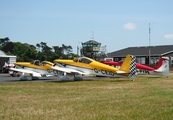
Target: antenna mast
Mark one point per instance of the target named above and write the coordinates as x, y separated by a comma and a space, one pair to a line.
92, 35
149, 45
149, 34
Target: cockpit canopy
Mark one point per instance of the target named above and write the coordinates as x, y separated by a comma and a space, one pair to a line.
35, 62
82, 60
38, 63
46, 62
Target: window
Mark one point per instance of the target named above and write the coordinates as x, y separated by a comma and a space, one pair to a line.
141, 60
75, 59
85, 60
154, 60
32, 62
37, 62
171, 60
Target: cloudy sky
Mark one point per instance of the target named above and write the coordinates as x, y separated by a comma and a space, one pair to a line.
115, 23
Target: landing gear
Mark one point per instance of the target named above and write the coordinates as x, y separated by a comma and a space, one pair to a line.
77, 77
23, 77
64, 76
34, 78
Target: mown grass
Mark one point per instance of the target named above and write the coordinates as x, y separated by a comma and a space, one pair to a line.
105, 99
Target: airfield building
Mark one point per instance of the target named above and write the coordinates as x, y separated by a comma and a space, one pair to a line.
6, 60
148, 55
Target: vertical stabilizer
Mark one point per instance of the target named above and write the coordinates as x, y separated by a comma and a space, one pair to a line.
129, 66
163, 66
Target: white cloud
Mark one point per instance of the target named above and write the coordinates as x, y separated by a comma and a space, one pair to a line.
168, 36
130, 26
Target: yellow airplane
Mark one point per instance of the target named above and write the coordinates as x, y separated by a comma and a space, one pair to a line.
34, 68
88, 66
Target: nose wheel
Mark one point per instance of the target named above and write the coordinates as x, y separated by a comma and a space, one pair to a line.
23, 77
77, 77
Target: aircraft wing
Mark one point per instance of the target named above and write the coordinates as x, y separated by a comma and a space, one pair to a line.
36, 74
67, 70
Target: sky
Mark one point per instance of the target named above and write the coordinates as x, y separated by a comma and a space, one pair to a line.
116, 24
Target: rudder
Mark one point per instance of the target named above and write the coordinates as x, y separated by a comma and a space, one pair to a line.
129, 66
163, 66
132, 71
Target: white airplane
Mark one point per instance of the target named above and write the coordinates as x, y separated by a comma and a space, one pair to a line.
88, 66
34, 68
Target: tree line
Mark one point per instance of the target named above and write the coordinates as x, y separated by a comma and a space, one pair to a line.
41, 51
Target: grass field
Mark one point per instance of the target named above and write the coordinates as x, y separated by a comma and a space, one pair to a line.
146, 98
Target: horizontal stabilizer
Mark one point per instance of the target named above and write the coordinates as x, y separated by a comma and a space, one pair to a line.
121, 72
158, 71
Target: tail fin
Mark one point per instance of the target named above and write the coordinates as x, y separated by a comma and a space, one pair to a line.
129, 66
159, 64
163, 66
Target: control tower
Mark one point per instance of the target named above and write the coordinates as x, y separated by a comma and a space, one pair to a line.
90, 48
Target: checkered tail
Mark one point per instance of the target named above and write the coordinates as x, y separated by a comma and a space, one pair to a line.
132, 73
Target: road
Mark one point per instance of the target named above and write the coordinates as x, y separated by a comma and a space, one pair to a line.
6, 78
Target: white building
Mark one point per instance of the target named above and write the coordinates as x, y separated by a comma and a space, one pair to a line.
9, 59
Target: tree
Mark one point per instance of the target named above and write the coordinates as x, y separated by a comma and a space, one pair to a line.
24, 52
27, 52
4, 40
8, 47
46, 49
38, 46
58, 51
67, 51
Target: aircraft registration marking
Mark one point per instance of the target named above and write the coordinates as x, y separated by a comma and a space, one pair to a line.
104, 72
142, 71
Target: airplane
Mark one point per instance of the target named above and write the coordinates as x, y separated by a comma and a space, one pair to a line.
162, 67
34, 68
88, 66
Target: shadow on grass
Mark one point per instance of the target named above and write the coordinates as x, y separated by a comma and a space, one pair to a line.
125, 80
39, 80
154, 77
10, 79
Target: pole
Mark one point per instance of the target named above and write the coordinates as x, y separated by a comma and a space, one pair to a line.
149, 46
92, 35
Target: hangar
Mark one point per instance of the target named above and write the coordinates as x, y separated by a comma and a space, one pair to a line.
9, 59
143, 54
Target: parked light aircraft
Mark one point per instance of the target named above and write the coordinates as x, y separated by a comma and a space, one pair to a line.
34, 68
162, 67
88, 66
